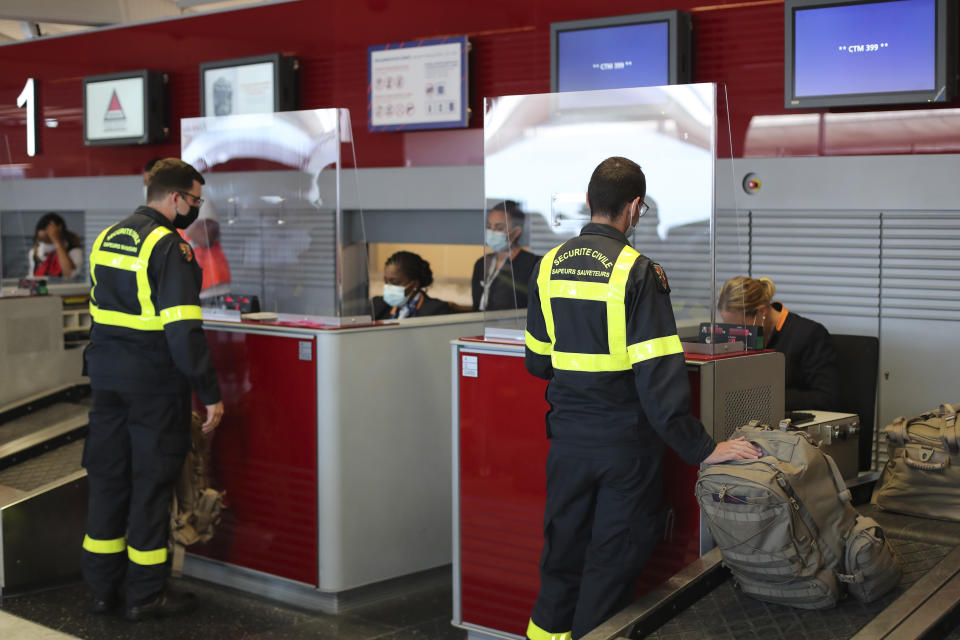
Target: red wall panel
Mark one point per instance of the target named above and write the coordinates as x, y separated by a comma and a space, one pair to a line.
739, 44
264, 455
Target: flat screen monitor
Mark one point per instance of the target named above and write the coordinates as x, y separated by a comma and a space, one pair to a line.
260, 84
125, 108
642, 50
851, 53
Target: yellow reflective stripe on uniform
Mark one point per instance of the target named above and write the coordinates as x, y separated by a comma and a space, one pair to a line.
143, 283
589, 361
117, 545
613, 293
598, 291
655, 348
93, 271
543, 285
536, 633
148, 320
155, 556
616, 311
182, 312
128, 320
538, 346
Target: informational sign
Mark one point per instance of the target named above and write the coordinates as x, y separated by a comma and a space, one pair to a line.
468, 367
237, 90
114, 109
420, 84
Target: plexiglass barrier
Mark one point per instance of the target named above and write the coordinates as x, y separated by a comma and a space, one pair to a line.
539, 153
273, 225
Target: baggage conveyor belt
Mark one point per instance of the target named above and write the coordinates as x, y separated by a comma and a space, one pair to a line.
702, 603
43, 490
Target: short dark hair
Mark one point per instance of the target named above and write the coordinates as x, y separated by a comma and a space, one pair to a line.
515, 216
412, 266
170, 174
150, 163
614, 184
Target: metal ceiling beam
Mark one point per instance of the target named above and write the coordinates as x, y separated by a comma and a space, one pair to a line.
89, 12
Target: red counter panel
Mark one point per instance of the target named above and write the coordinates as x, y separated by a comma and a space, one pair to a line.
264, 455
503, 452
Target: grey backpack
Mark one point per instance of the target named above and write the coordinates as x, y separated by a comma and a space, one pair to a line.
782, 523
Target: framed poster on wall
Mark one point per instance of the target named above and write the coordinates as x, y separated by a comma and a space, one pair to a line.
125, 108
421, 84
261, 84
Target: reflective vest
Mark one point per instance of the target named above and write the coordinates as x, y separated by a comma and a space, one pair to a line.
620, 356
136, 259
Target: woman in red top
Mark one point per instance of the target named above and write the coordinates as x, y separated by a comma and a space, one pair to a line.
56, 251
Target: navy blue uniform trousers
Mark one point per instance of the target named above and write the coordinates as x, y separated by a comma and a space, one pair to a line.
600, 525
134, 453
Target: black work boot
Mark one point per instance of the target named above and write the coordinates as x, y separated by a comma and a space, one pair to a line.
168, 603
100, 605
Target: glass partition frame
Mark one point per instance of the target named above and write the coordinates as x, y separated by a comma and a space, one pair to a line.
290, 176
540, 150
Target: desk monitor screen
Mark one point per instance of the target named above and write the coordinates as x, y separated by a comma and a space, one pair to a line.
855, 52
643, 50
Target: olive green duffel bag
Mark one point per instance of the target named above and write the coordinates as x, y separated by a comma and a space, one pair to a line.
922, 476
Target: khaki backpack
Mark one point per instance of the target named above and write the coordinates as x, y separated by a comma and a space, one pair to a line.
196, 506
922, 476
784, 524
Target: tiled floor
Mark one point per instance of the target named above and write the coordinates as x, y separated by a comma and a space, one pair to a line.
226, 614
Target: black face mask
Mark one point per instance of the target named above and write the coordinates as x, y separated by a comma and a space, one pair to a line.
184, 221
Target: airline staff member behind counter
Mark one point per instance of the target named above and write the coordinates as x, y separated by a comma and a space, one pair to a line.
812, 376
500, 278
147, 350
405, 276
600, 328
56, 250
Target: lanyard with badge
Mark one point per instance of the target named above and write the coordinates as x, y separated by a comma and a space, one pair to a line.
492, 274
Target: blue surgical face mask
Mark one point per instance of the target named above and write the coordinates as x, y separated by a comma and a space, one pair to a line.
496, 240
394, 295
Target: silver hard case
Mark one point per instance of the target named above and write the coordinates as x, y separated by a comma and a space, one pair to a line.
838, 435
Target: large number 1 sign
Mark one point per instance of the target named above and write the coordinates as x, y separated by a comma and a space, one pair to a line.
28, 99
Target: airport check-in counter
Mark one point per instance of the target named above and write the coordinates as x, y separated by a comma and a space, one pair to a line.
334, 453
500, 451
499, 434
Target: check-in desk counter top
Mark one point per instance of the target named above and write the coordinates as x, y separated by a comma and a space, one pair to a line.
500, 445
334, 453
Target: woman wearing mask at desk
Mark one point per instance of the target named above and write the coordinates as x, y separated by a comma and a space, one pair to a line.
405, 276
812, 377
56, 251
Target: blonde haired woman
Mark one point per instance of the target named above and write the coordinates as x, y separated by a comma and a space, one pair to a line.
812, 378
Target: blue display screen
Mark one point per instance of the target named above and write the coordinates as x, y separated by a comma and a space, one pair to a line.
634, 55
878, 47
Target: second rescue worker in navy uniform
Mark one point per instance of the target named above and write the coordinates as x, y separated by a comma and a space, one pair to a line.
600, 328
147, 350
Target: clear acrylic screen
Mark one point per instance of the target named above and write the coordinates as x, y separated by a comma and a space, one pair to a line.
540, 150
273, 224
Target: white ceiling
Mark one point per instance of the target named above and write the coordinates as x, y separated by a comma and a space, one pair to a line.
23, 19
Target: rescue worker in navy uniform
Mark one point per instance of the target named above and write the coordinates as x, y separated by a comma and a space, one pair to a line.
147, 350
601, 329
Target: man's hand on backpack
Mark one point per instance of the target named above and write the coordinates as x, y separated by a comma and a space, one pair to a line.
214, 414
728, 450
